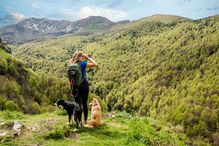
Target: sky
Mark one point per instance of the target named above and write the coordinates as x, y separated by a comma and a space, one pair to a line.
13, 11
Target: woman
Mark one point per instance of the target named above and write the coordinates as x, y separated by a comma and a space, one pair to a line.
83, 91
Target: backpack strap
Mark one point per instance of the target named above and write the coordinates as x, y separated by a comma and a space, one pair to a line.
81, 72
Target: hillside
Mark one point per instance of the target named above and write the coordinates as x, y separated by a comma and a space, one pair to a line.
165, 18
168, 71
23, 90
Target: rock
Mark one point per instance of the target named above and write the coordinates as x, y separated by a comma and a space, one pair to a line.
17, 128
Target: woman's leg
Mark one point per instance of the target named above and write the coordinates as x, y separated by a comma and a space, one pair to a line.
77, 95
84, 91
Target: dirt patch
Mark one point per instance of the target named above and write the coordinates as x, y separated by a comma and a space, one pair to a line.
72, 135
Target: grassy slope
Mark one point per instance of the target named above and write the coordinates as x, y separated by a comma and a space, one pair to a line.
122, 129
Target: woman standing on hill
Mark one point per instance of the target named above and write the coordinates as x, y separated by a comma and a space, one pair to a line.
81, 59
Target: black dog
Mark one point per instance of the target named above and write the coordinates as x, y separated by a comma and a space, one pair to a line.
71, 108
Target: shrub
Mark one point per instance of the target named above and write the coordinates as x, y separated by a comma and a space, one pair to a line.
140, 131
56, 133
21, 100
24, 108
50, 108
12, 70
35, 108
12, 115
3, 100
33, 82
200, 129
3, 66
12, 89
11, 106
215, 138
61, 112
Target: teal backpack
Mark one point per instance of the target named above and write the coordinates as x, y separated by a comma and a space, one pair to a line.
74, 74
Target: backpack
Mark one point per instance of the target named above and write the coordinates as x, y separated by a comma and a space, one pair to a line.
75, 74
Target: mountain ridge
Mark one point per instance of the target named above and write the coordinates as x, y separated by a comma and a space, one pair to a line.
43, 28
165, 18
37, 28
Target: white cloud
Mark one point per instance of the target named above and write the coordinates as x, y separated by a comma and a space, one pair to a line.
86, 11
13, 15
36, 6
16, 17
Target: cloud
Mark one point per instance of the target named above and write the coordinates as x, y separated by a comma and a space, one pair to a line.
12, 16
212, 8
86, 11
17, 16
114, 4
36, 6
182, 2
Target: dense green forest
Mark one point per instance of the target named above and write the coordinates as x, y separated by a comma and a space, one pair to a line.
23, 90
164, 68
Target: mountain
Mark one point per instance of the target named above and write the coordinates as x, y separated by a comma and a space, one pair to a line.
149, 21
40, 28
168, 71
43, 28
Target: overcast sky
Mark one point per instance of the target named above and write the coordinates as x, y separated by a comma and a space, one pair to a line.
13, 11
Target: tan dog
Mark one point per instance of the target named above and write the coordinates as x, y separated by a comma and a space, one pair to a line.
96, 115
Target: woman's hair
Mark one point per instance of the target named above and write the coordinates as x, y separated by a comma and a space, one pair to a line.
75, 57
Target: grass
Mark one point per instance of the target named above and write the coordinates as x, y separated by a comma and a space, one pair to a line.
51, 129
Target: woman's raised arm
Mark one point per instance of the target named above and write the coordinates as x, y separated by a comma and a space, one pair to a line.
91, 63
